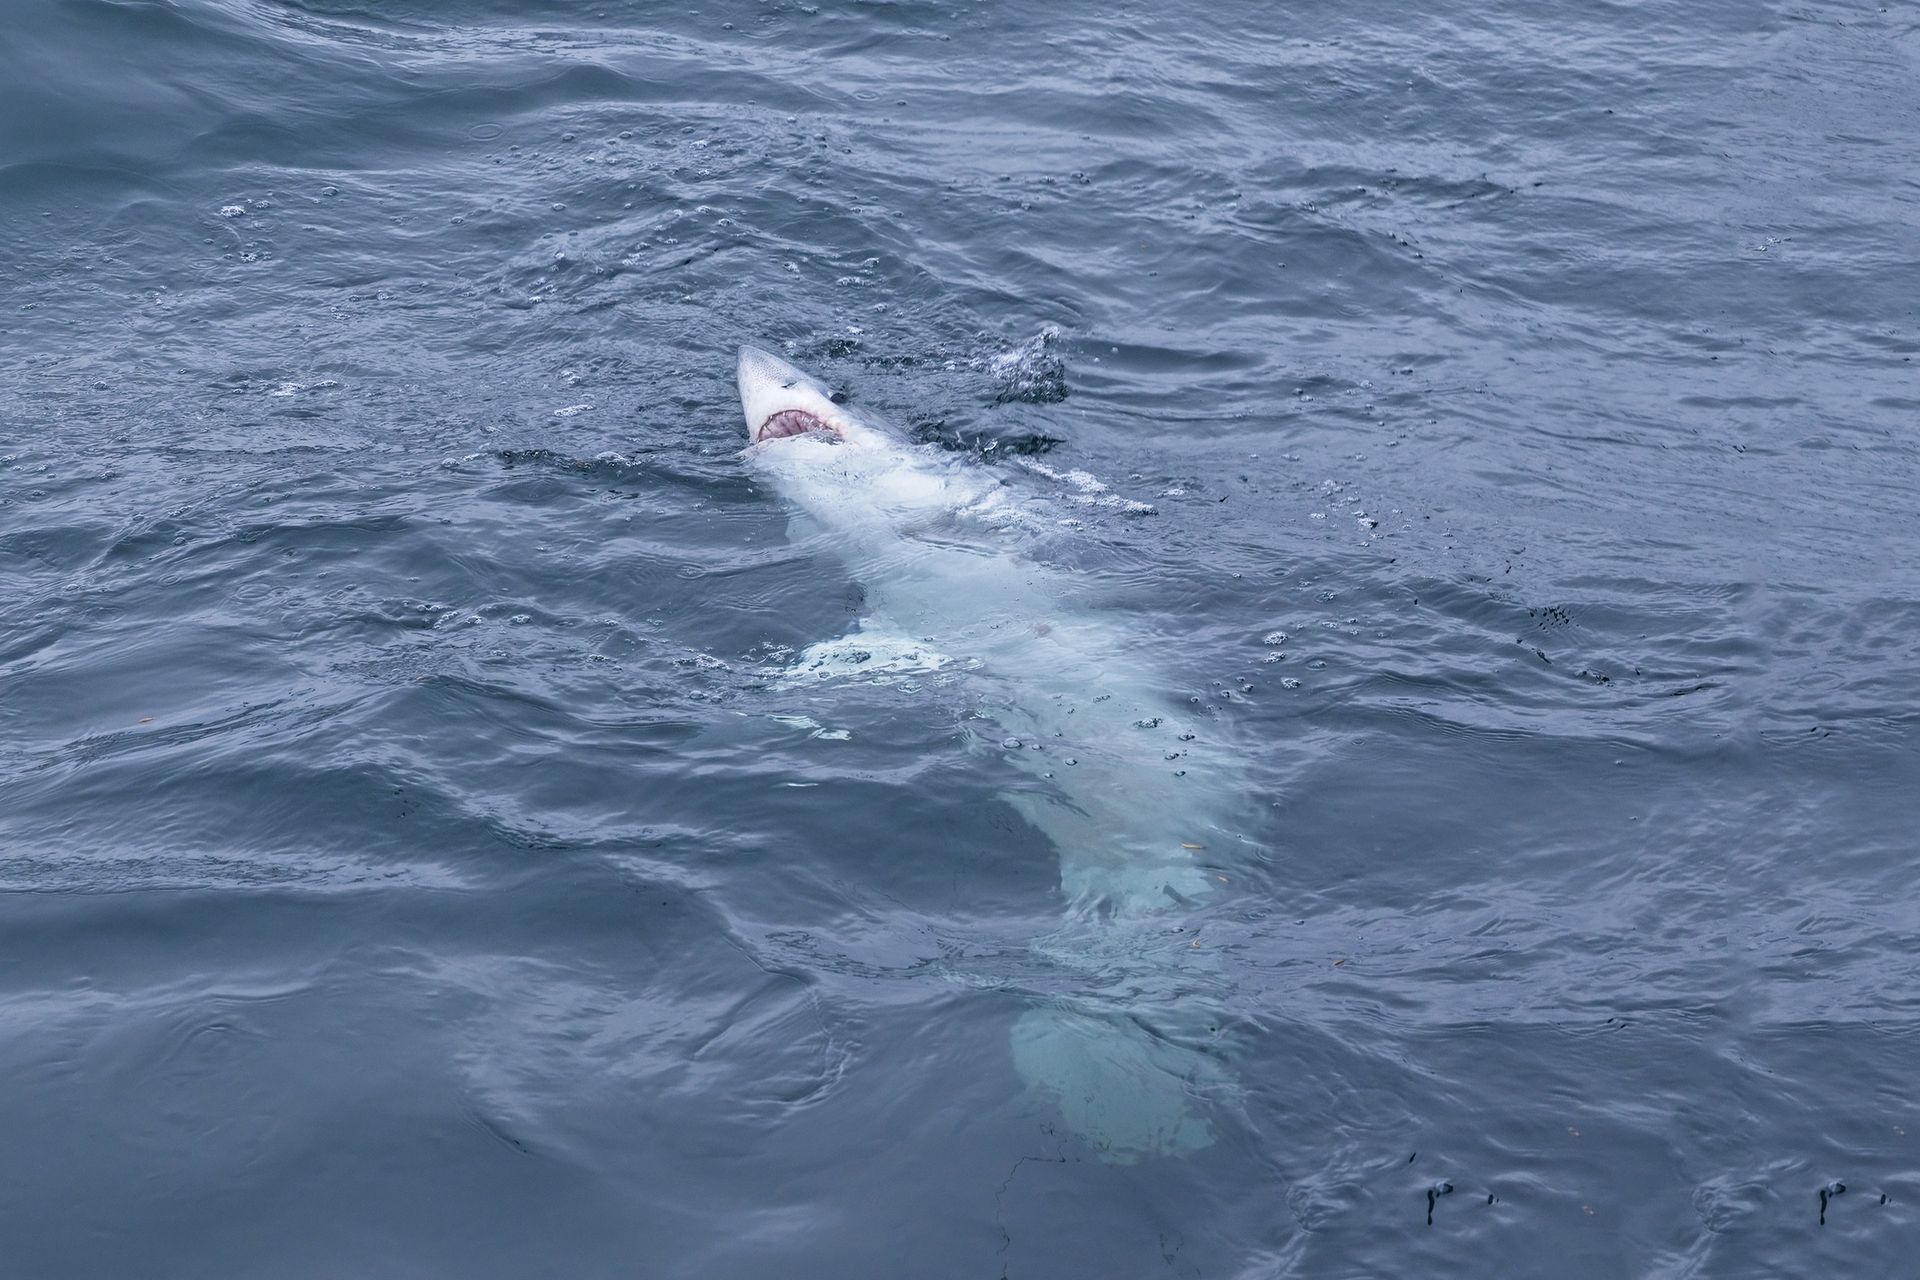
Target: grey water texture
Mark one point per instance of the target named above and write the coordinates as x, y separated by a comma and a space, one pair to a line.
1367, 728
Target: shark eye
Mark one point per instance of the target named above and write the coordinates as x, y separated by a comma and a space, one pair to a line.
789, 384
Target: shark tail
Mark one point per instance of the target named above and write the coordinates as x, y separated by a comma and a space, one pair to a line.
1123, 1088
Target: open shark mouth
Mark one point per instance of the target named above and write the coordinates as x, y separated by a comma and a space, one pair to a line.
793, 422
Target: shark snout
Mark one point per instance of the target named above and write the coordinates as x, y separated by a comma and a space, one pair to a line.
779, 400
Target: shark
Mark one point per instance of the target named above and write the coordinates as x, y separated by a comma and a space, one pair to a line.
1138, 794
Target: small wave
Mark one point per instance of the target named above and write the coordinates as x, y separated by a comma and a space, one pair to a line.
1089, 490
1031, 373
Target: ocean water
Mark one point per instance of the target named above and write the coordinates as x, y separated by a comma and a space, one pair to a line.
1501, 420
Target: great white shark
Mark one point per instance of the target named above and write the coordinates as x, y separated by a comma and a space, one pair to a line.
1139, 801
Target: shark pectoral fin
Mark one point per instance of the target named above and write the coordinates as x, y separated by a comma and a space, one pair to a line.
1120, 1088
867, 651
1103, 866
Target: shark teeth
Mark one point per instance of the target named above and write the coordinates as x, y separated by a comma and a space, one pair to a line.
792, 422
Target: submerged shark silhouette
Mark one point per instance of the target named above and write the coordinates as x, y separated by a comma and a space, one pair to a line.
1126, 791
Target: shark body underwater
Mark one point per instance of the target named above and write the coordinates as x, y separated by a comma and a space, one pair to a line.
1125, 787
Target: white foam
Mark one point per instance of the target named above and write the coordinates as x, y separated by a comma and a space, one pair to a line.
869, 655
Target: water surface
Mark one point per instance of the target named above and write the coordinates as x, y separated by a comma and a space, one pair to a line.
415, 864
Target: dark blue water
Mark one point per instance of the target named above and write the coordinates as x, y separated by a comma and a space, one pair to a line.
416, 865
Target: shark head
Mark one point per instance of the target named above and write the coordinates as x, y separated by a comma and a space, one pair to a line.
780, 401
846, 472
